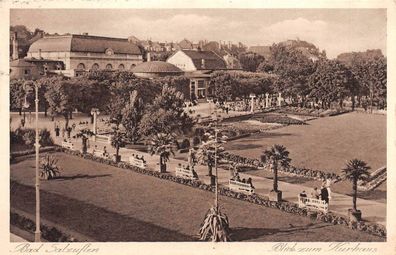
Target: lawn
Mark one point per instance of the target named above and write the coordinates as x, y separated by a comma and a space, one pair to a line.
325, 143
93, 198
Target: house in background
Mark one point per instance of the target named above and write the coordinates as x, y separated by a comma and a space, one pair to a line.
198, 65
21, 69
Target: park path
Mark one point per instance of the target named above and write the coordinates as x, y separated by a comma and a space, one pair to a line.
371, 210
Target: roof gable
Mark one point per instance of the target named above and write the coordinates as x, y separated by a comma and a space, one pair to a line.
204, 60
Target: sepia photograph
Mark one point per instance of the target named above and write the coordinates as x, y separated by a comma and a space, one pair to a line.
197, 125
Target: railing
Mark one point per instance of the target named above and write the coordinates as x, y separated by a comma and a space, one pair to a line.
313, 203
241, 187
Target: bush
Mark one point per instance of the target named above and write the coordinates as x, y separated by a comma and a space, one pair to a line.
45, 138
29, 136
196, 140
185, 144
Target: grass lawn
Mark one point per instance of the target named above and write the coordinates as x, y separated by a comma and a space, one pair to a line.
325, 143
111, 204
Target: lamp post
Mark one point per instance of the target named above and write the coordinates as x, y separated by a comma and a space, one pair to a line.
37, 233
28, 89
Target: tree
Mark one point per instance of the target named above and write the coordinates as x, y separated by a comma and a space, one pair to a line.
277, 156
354, 171
17, 95
371, 75
131, 116
205, 155
293, 69
117, 140
162, 144
84, 134
331, 82
44, 83
61, 97
166, 114
250, 61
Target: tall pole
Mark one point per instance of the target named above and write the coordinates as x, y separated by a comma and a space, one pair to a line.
216, 180
37, 233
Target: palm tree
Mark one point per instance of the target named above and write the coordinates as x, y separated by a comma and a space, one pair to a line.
205, 155
354, 171
117, 140
277, 156
84, 134
161, 144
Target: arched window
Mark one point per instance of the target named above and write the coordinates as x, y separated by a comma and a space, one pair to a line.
132, 66
109, 67
95, 66
81, 66
121, 67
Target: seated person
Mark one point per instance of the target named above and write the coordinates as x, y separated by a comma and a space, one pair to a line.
238, 178
142, 158
244, 180
303, 194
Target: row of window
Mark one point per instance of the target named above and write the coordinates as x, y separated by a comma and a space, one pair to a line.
96, 66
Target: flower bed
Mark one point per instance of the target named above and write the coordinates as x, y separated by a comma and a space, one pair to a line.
293, 171
371, 228
275, 118
311, 111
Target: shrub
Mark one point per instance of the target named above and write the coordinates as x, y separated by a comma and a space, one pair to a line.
29, 136
48, 166
196, 140
45, 138
185, 144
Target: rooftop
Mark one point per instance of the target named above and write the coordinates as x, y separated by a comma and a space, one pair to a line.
84, 43
156, 67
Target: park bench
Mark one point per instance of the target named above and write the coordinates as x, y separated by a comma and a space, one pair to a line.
313, 203
100, 154
182, 171
67, 145
137, 162
241, 187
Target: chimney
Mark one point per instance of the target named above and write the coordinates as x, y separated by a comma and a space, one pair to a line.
229, 45
203, 63
148, 57
39, 53
15, 47
220, 45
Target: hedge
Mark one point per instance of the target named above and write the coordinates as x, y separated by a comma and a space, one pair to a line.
49, 233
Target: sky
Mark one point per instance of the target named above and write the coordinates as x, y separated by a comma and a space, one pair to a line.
333, 30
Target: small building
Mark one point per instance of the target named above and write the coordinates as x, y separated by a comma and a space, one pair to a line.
21, 69
153, 69
197, 60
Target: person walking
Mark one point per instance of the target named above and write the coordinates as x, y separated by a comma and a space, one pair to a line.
324, 194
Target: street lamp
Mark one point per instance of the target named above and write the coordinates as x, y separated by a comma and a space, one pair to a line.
37, 233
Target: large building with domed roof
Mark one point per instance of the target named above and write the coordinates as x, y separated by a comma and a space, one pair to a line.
81, 53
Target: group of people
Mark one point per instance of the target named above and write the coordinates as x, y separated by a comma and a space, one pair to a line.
324, 193
237, 178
